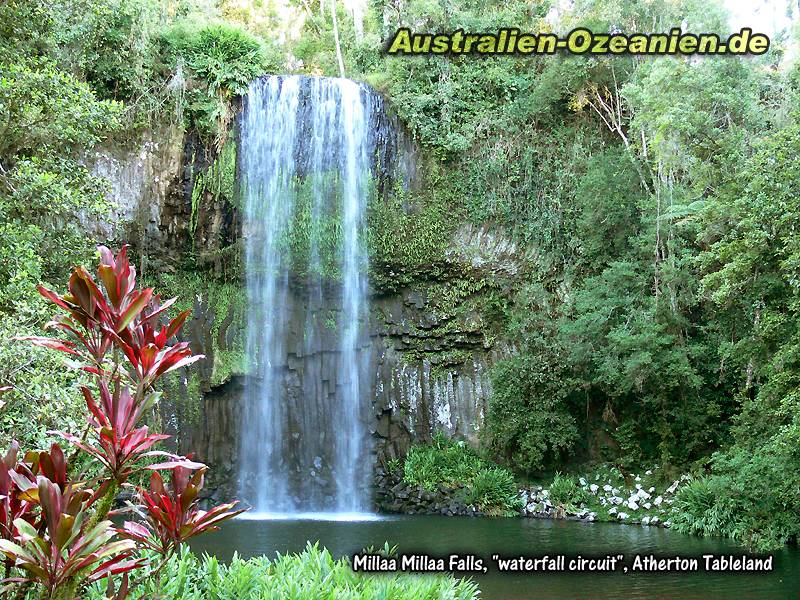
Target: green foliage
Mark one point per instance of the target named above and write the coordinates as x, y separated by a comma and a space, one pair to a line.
407, 238
312, 573
704, 507
566, 491
450, 463
46, 112
750, 279
120, 51
609, 216
220, 61
47, 118
45, 395
494, 487
316, 49
444, 461
529, 420
750, 496
25, 27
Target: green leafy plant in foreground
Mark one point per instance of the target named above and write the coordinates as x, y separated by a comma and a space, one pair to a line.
312, 573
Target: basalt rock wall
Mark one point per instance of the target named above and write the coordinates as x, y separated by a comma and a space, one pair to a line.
412, 397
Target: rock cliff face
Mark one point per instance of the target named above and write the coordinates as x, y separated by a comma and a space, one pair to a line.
142, 176
429, 366
156, 206
413, 396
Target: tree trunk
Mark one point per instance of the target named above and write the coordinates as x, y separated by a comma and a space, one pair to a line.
336, 39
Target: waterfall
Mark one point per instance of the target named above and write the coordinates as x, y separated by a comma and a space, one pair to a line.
307, 148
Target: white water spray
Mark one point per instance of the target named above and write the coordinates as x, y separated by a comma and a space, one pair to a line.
306, 451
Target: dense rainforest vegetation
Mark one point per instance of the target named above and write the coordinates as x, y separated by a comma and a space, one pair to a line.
654, 200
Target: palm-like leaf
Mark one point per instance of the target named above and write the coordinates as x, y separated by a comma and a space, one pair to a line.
15, 478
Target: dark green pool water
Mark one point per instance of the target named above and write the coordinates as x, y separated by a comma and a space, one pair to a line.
532, 537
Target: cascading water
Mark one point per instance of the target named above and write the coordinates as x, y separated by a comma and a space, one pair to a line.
306, 149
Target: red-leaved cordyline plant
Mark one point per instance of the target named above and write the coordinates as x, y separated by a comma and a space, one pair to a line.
47, 528
123, 317
125, 320
52, 527
19, 491
13, 506
68, 547
119, 442
52, 464
172, 513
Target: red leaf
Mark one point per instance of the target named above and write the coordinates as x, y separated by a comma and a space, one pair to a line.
186, 464
134, 308
51, 343
53, 297
175, 324
109, 279
159, 309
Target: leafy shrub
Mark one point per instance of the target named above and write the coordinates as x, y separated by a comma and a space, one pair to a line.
750, 495
313, 573
529, 421
566, 491
221, 60
49, 116
50, 111
493, 488
703, 508
453, 463
119, 54
443, 462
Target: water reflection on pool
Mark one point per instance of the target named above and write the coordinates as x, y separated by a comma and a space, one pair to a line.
484, 537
